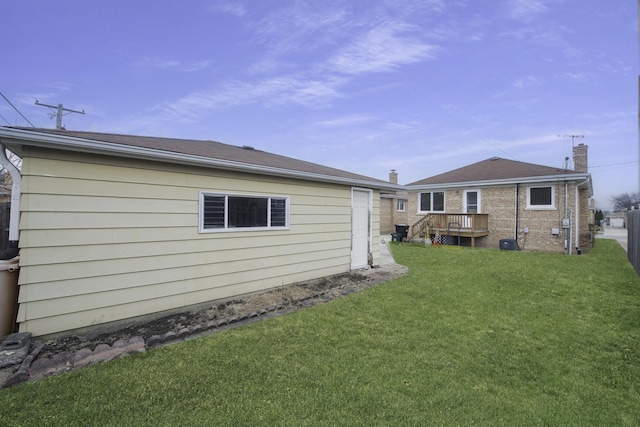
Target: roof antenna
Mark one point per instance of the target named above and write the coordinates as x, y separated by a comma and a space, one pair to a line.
573, 146
59, 112
573, 137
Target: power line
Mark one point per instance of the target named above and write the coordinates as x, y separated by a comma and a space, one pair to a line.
14, 107
8, 122
614, 164
488, 143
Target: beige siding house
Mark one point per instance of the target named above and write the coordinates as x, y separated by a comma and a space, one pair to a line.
113, 227
537, 207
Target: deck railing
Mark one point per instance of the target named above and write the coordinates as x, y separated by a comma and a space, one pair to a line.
449, 222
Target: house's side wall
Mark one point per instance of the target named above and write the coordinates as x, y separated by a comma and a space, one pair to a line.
587, 218
105, 239
375, 228
387, 215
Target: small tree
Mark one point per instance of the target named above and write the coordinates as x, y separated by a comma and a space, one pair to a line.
624, 201
599, 216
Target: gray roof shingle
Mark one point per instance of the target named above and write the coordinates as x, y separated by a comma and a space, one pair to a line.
492, 169
211, 150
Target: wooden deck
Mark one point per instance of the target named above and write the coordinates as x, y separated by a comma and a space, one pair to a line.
452, 224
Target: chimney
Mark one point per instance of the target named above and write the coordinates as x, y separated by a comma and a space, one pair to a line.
393, 176
580, 159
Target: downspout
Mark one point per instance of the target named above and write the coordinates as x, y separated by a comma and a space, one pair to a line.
567, 243
517, 211
577, 214
12, 250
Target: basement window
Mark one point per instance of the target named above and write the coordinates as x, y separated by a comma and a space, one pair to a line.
542, 197
239, 212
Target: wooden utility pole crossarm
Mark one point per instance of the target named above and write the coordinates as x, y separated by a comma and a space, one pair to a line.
59, 112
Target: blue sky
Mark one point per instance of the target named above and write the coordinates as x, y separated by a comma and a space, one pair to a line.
420, 86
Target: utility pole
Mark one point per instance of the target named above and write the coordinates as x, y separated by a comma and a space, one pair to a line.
59, 112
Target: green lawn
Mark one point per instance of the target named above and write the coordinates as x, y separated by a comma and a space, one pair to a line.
470, 336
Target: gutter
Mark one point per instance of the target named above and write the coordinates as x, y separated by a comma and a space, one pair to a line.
492, 182
14, 221
21, 137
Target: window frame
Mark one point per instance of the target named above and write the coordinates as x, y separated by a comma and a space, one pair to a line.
431, 194
551, 206
404, 205
465, 204
226, 228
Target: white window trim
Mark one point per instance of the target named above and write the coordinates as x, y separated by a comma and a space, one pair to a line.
201, 228
404, 204
464, 200
550, 207
444, 201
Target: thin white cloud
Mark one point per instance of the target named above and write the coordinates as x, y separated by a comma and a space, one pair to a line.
617, 66
381, 49
546, 35
526, 81
302, 27
233, 8
171, 64
354, 119
61, 86
526, 9
578, 77
269, 92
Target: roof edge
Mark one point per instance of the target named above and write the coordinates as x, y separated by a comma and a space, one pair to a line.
578, 176
19, 137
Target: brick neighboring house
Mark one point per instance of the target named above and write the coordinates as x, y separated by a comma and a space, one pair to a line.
542, 208
393, 207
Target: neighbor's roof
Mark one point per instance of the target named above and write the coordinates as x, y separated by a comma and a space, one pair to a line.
183, 151
498, 170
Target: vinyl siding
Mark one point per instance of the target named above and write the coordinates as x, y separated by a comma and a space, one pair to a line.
105, 239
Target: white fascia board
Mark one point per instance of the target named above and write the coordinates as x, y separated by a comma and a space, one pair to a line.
499, 182
18, 137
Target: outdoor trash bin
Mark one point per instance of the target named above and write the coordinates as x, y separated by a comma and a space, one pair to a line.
8, 295
403, 230
396, 237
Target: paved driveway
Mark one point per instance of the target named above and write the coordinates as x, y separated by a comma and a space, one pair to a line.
617, 233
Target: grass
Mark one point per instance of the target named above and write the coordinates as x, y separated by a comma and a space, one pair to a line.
480, 337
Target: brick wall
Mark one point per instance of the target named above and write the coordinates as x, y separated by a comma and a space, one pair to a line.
389, 215
500, 204
387, 209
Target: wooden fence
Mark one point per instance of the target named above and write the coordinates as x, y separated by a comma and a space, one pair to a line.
633, 240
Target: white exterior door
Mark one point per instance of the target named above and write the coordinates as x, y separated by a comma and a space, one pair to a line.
360, 227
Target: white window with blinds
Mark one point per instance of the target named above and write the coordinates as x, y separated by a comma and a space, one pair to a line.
541, 197
241, 212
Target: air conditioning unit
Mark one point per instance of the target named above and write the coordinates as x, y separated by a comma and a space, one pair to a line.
508, 244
